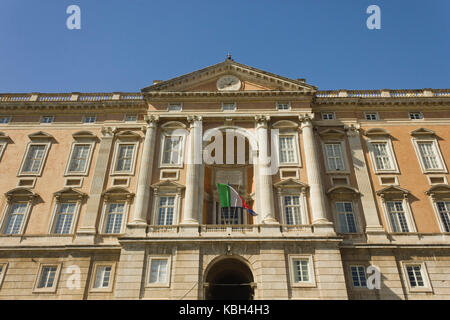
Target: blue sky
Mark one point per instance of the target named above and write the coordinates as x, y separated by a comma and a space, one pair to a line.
125, 45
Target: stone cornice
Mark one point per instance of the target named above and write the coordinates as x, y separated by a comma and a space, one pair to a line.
229, 94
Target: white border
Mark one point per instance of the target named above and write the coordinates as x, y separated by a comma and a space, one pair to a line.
443, 168
408, 215
343, 155
356, 216
423, 270
302, 201
312, 276
388, 184
75, 216
169, 272
111, 276
24, 220
163, 136
88, 159
41, 165
391, 154
105, 213
53, 288
113, 171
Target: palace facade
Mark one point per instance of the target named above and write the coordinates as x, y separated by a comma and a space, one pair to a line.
114, 195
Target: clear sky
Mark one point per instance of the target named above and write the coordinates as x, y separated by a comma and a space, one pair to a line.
125, 45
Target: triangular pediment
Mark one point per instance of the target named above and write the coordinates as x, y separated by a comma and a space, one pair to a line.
252, 79
291, 183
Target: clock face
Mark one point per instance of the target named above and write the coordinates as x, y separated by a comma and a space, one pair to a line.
228, 83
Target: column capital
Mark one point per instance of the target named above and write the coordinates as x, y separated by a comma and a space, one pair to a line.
192, 119
108, 132
352, 129
151, 119
306, 119
262, 120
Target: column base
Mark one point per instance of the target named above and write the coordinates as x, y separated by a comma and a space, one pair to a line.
376, 234
270, 221
190, 229
270, 229
136, 229
324, 227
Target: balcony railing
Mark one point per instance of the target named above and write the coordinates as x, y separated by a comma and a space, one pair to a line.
70, 97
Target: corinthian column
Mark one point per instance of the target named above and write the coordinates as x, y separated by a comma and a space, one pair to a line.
194, 166
139, 218
317, 196
263, 173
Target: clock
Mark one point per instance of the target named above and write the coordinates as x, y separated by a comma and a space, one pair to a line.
228, 83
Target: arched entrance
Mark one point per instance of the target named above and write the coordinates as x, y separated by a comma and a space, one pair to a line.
229, 279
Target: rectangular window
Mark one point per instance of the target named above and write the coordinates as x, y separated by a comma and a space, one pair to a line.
47, 119
64, 218
125, 158
102, 277
15, 218
172, 150
114, 217
444, 214
288, 151
166, 210
131, 117
429, 155
229, 106
283, 106
346, 217
89, 118
415, 115
334, 156
34, 159
47, 277
358, 276
301, 270
292, 210
5, 120
415, 276
381, 155
397, 216
372, 116
78, 162
159, 271
327, 115
175, 107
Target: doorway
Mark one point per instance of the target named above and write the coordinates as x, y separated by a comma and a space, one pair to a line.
229, 279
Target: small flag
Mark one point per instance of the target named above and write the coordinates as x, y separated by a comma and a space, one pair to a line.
229, 197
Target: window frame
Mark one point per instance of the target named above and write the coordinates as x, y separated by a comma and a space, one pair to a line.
435, 145
303, 203
55, 213
351, 276
177, 206
46, 145
229, 103
424, 273
312, 277
408, 215
117, 146
297, 160
125, 119
171, 104
323, 113
390, 151
377, 116
163, 137
41, 120
343, 155
95, 267
434, 203
278, 103
165, 284
5, 117
3, 145
105, 213
413, 112
54, 287
356, 216
6, 213
85, 116
88, 158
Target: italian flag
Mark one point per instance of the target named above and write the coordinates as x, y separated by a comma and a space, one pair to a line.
229, 197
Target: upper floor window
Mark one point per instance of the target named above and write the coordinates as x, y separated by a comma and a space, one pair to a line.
292, 210
34, 158
91, 118
47, 119
426, 145
5, 119
382, 156
229, 106
15, 217
288, 149
444, 214
131, 117
358, 274
172, 150
334, 158
346, 217
283, 106
397, 216
415, 115
429, 155
175, 107
166, 210
64, 217
125, 158
79, 158
114, 217
3, 267
371, 116
328, 116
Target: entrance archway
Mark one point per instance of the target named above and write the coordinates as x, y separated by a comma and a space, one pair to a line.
229, 279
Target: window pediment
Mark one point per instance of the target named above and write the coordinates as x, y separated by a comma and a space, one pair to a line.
69, 193
393, 192
332, 134
291, 184
422, 132
285, 124
21, 194
343, 192
40, 135
377, 132
118, 193
4, 136
173, 125
130, 135
84, 135
439, 191
168, 185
